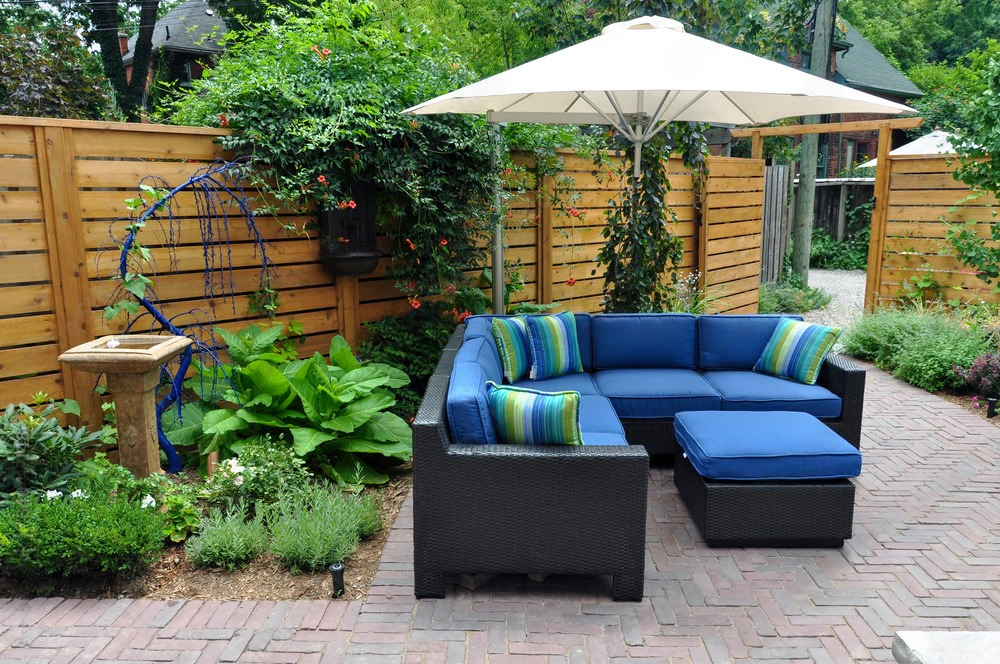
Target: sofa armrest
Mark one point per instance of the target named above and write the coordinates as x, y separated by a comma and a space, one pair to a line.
847, 380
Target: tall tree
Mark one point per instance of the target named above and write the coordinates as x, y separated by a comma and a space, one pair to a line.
108, 21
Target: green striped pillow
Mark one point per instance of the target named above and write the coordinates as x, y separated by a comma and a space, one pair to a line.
511, 336
554, 346
797, 350
530, 417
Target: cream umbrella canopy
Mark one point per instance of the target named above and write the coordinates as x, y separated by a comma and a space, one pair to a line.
640, 75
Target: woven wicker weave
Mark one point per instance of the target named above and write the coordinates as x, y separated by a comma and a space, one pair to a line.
551, 509
767, 513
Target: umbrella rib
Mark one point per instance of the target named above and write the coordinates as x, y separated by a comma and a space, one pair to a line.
663, 125
620, 124
513, 103
650, 130
738, 107
624, 126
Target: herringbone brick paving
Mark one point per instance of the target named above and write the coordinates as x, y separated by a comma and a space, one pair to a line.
925, 555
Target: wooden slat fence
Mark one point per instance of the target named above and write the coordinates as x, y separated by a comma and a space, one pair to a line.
63, 186
909, 245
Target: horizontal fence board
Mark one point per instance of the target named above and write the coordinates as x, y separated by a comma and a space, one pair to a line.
39, 359
722, 261
16, 140
916, 164
727, 244
27, 330
36, 299
727, 215
18, 172
101, 234
20, 205
903, 181
23, 268
717, 231
21, 390
23, 236
945, 214
940, 197
152, 144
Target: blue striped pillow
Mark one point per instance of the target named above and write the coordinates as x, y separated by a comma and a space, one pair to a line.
797, 350
511, 336
554, 346
530, 417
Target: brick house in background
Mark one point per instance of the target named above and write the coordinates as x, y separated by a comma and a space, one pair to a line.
859, 65
185, 41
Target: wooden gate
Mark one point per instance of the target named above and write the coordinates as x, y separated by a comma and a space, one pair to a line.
776, 229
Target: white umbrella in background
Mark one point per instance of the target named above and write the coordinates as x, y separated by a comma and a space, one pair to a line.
936, 142
641, 75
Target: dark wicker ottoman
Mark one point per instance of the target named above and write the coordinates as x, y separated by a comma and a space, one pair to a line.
779, 513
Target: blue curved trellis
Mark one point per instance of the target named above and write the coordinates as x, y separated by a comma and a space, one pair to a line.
215, 189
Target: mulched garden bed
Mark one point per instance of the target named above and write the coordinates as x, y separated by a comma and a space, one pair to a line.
175, 577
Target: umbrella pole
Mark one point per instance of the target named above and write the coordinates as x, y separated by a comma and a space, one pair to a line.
499, 276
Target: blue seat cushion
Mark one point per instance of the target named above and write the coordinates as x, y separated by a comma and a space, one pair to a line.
746, 390
468, 407
733, 341
599, 423
633, 341
581, 382
764, 446
656, 393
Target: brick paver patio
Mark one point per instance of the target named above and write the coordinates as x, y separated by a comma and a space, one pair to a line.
925, 556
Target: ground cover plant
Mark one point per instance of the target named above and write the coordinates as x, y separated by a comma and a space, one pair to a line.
930, 348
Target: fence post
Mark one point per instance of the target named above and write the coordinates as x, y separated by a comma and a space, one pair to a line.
876, 246
349, 308
543, 255
756, 145
67, 256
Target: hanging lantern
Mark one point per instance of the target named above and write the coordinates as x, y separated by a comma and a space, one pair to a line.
347, 233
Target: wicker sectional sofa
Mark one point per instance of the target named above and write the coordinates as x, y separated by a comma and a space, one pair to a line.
485, 507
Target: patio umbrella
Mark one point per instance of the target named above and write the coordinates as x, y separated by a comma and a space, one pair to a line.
640, 75
936, 142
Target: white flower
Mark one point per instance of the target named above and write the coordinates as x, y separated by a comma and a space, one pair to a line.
114, 343
148, 501
49, 495
78, 494
234, 466
238, 480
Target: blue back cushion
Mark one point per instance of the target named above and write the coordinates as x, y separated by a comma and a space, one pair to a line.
639, 341
583, 336
733, 341
468, 407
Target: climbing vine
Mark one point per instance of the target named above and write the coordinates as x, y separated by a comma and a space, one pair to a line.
641, 252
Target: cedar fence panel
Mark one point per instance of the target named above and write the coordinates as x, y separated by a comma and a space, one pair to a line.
63, 184
922, 202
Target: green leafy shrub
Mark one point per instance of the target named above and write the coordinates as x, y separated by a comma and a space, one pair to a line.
229, 541
177, 502
37, 453
919, 347
825, 252
264, 468
66, 536
334, 413
413, 344
930, 355
313, 529
790, 298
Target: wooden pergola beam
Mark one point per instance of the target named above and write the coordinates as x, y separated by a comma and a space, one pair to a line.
829, 127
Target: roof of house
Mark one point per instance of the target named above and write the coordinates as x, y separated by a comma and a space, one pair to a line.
863, 67
190, 27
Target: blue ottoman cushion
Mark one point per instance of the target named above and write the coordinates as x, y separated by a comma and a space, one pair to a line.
746, 390
764, 446
655, 393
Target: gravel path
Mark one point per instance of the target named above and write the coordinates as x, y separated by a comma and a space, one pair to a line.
848, 290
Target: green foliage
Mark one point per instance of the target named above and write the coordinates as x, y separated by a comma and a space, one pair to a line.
922, 348
78, 537
50, 73
413, 344
229, 541
37, 453
787, 298
315, 98
949, 87
313, 529
827, 253
336, 410
176, 502
264, 468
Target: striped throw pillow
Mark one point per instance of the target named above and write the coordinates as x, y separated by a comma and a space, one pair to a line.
797, 350
554, 346
511, 336
529, 417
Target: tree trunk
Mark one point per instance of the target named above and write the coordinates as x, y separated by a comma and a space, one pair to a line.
104, 14
826, 13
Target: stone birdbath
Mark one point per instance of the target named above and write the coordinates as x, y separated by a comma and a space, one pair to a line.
132, 364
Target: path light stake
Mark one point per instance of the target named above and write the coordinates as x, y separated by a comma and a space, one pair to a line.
337, 572
991, 407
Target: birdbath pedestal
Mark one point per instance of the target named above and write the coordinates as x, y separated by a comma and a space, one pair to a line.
132, 364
